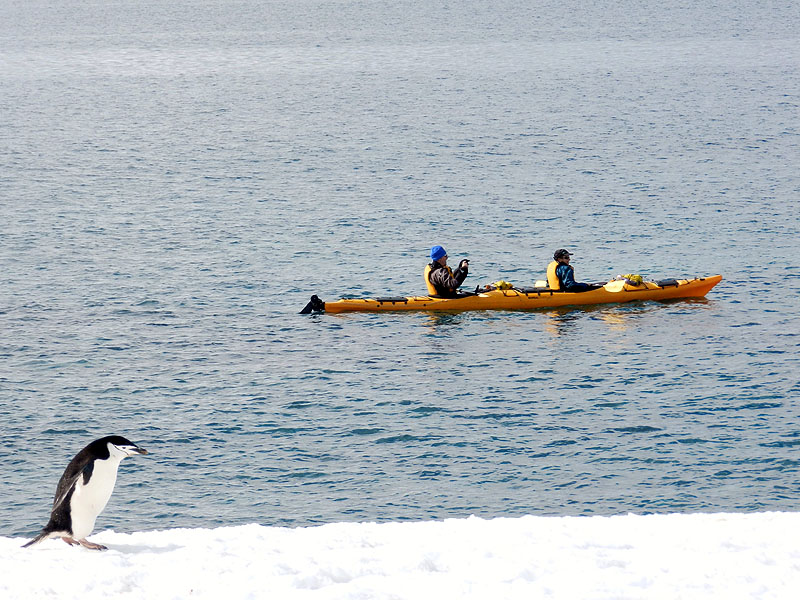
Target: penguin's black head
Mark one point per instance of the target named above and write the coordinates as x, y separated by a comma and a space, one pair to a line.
103, 447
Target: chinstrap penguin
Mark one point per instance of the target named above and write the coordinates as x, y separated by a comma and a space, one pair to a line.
84, 489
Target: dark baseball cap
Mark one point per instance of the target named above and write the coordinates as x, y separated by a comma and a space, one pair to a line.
560, 253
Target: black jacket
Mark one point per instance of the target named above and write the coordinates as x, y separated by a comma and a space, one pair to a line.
445, 280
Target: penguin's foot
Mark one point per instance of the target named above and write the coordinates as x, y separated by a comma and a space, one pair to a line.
84, 542
91, 545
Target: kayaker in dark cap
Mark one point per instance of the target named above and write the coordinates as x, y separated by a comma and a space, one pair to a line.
561, 275
440, 279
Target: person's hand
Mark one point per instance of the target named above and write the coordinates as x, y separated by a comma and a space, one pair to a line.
464, 264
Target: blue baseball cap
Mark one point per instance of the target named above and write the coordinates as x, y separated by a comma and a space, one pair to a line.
437, 252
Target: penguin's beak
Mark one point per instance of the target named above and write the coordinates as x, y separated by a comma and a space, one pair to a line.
132, 450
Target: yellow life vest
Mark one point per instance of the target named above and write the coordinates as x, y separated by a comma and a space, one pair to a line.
432, 291
431, 288
552, 278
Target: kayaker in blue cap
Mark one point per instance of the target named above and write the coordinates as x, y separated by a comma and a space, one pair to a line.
440, 279
561, 275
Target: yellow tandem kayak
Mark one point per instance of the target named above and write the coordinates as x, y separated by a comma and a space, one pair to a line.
520, 298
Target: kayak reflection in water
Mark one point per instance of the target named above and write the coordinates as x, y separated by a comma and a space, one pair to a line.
561, 275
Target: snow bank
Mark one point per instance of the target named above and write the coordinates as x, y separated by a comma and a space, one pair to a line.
719, 556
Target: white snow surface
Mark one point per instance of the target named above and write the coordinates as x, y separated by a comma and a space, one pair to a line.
697, 556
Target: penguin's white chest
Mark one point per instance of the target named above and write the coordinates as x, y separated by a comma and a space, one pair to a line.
89, 499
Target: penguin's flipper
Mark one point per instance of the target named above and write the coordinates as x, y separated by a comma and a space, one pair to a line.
66, 484
65, 489
80, 466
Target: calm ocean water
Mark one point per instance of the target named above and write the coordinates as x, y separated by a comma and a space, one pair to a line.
176, 179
